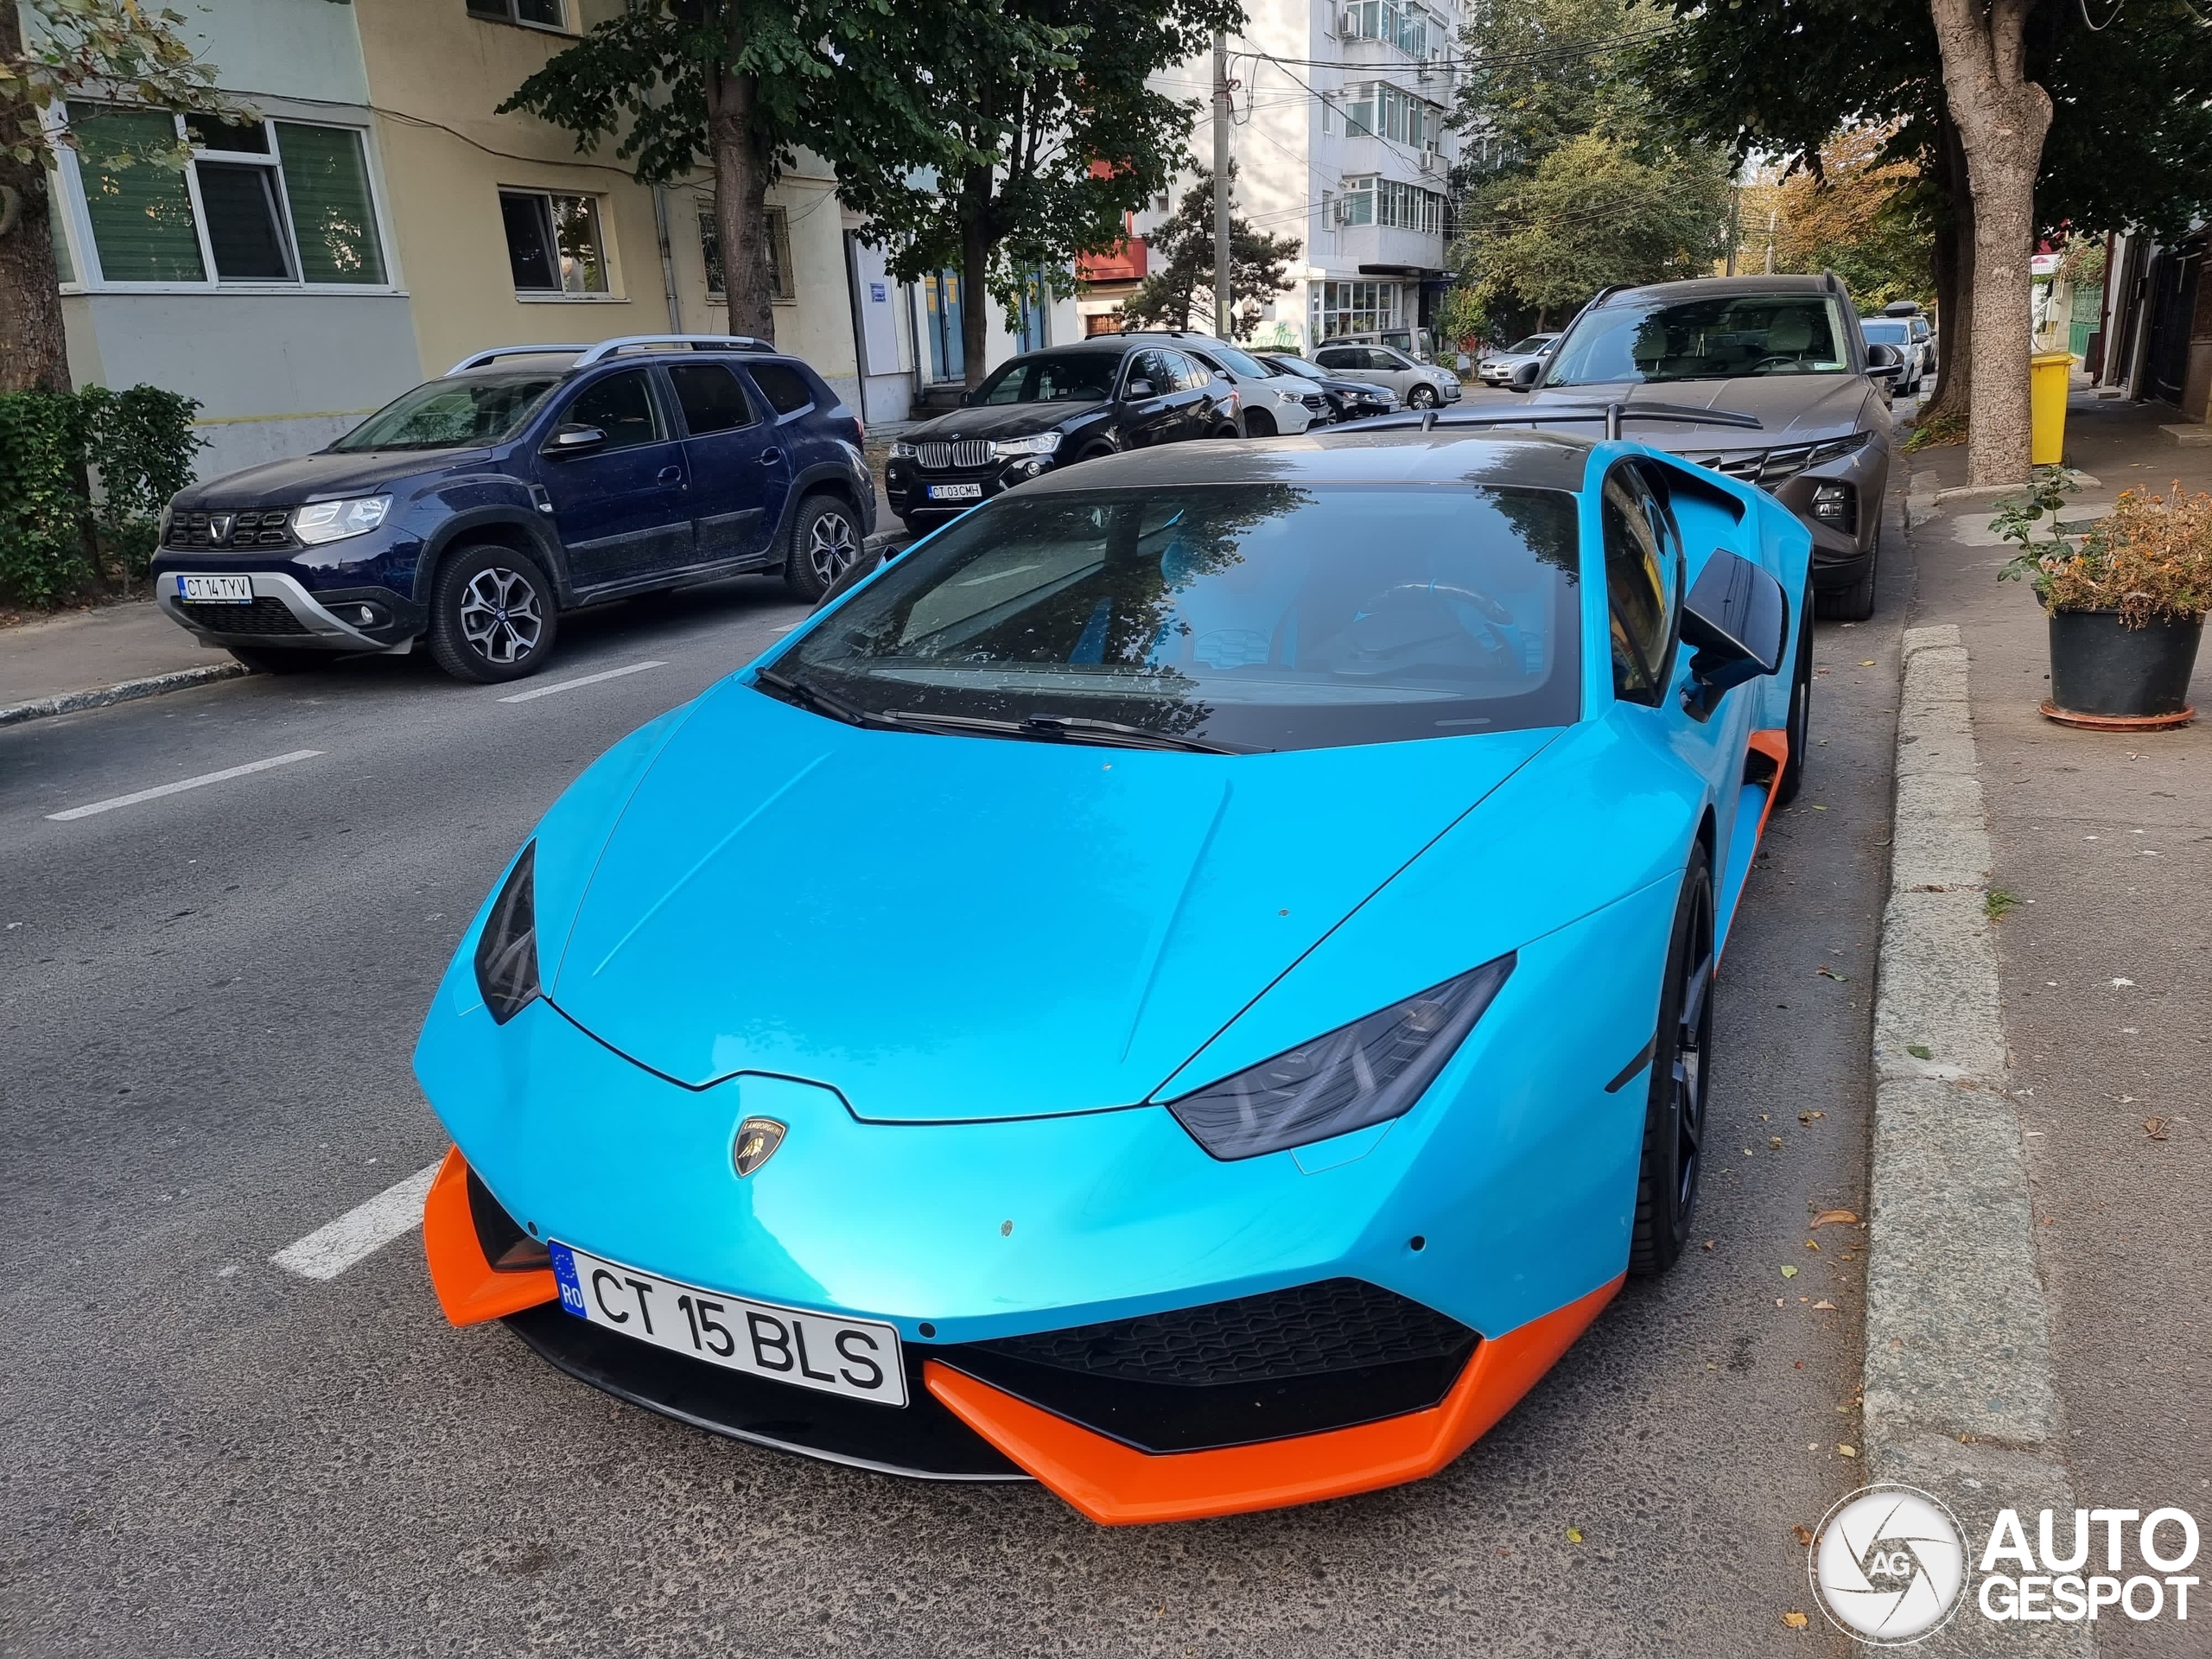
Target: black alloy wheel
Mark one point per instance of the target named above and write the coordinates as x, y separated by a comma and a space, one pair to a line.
1422, 397
494, 615
1799, 730
825, 543
1674, 1113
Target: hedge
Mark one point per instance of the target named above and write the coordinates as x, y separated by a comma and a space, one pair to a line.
84, 476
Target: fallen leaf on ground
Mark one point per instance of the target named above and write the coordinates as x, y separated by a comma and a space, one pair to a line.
1789, 1270
2156, 1128
1804, 1537
1920, 1051
1819, 809
1824, 1307
1842, 1216
1869, 663
1710, 1242
1811, 1245
1574, 1535
1845, 1451
1774, 1142
1827, 972
2123, 981
1796, 1621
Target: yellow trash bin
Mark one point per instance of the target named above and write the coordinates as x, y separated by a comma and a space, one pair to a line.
2047, 376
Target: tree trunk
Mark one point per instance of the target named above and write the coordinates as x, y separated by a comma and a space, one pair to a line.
743, 168
975, 263
2001, 117
34, 354
1954, 263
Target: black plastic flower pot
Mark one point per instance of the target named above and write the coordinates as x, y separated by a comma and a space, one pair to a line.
2103, 669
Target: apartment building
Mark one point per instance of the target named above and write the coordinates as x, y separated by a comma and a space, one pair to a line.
383, 222
1339, 140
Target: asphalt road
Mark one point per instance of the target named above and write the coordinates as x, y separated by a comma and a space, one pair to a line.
208, 1001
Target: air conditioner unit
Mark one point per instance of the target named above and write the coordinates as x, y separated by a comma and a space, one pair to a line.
1349, 24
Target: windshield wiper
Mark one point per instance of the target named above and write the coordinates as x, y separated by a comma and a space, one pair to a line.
1077, 728
823, 703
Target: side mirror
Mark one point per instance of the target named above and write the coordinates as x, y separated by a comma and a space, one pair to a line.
1137, 389
1885, 362
573, 439
1526, 376
1738, 618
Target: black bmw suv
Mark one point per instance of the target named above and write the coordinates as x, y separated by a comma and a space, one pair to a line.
1051, 408
469, 512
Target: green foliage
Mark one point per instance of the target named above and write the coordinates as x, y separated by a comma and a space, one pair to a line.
1461, 317
2149, 559
115, 49
1182, 270
1537, 81
55, 539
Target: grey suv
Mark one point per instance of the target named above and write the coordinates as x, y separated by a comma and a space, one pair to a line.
1787, 350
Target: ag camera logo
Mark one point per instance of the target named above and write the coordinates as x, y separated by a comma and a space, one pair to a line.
1889, 1565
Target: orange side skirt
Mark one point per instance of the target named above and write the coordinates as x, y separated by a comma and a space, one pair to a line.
470, 1289
1775, 745
1116, 1485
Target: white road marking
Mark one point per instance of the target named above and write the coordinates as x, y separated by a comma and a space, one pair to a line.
361, 1231
159, 790
588, 679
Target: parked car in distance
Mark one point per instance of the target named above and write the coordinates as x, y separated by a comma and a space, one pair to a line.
1052, 409
1496, 368
1348, 400
1271, 402
469, 512
1923, 331
1784, 350
1897, 332
1418, 385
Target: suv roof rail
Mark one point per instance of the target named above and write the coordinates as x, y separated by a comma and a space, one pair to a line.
608, 348
478, 359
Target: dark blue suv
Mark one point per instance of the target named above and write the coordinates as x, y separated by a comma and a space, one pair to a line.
473, 511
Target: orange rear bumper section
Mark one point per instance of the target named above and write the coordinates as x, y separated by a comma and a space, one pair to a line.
470, 1289
1117, 1485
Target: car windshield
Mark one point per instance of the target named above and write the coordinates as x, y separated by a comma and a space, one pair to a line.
1237, 362
1886, 334
1072, 378
455, 413
1533, 343
1297, 365
1715, 339
1232, 616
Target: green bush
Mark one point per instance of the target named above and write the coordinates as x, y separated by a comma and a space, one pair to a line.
83, 479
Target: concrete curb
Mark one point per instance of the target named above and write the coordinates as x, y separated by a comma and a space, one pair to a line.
1959, 1399
71, 702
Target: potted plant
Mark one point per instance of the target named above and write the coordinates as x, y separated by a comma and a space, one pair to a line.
2126, 596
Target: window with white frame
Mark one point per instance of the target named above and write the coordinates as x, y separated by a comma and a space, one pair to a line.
531, 14
780, 285
265, 202
1354, 309
1373, 200
1411, 29
1378, 110
554, 244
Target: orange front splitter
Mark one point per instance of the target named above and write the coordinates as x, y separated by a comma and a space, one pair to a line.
470, 1289
1117, 1485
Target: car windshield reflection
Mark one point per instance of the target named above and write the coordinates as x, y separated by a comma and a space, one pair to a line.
1718, 339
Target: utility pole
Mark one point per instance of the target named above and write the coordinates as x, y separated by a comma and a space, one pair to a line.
1221, 184
1769, 241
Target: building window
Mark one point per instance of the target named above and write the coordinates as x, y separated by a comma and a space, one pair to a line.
531, 14
1379, 110
261, 202
1409, 28
1354, 309
553, 243
1372, 200
781, 286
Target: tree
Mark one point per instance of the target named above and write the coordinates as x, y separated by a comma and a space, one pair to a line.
1860, 216
1182, 247
76, 49
1049, 101
1592, 215
745, 82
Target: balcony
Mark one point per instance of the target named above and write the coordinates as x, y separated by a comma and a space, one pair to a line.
1127, 262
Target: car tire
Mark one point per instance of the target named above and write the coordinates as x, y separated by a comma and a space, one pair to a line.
826, 542
494, 616
1258, 424
1675, 1118
1422, 396
1856, 602
275, 660
1798, 731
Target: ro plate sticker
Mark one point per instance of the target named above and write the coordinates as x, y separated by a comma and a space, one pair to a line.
564, 1271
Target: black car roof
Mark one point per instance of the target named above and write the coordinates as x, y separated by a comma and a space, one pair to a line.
1551, 460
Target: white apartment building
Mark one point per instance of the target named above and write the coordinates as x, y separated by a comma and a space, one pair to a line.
1339, 137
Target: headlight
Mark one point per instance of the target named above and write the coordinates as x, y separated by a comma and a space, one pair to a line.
507, 952
901, 451
1043, 444
1288, 397
1836, 448
333, 521
1363, 1073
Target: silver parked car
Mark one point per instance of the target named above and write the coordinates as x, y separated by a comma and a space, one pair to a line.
1419, 385
1496, 368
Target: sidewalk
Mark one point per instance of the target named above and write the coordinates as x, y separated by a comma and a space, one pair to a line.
82, 652
2103, 844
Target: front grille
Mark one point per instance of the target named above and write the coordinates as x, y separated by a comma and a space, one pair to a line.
1336, 1325
258, 527
1315, 401
1767, 467
937, 456
264, 615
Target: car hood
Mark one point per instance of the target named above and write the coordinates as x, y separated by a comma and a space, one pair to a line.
321, 475
1790, 408
952, 928
1367, 387
1000, 421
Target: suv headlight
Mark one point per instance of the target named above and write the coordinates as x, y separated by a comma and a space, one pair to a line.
1043, 444
506, 951
333, 521
902, 450
1363, 1073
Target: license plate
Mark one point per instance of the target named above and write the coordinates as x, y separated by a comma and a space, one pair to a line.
856, 1359
218, 590
955, 491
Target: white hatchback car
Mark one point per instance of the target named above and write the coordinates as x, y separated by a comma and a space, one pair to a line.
1274, 404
